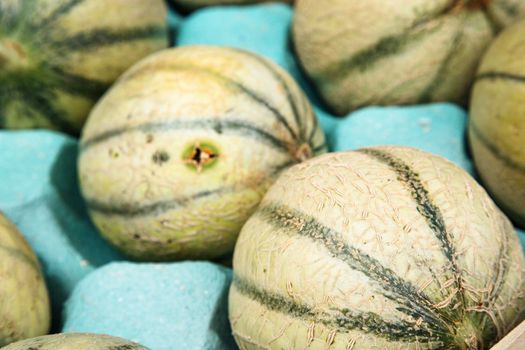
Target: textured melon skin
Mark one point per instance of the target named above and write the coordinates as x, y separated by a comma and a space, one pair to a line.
75, 341
379, 52
24, 302
57, 57
143, 191
380, 248
497, 123
194, 4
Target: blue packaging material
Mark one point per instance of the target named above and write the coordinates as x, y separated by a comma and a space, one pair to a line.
438, 128
263, 29
39, 193
163, 306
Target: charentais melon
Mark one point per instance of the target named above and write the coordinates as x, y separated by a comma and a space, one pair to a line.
177, 155
24, 300
497, 121
384, 52
57, 57
379, 248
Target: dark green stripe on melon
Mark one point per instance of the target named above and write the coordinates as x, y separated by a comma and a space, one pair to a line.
493, 148
100, 37
134, 210
277, 75
78, 85
500, 76
343, 320
413, 302
254, 96
386, 47
226, 127
426, 207
130, 210
321, 147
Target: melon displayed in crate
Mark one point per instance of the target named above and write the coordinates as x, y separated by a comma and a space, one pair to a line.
24, 300
180, 151
57, 57
372, 52
497, 121
379, 248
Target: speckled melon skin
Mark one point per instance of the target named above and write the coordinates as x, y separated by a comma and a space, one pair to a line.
497, 121
75, 341
57, 57
381, 52
194, 4
143, 190
24, 301
379, 248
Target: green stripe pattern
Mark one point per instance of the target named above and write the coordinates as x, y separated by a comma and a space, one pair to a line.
437, 324
36, 89
425, 206
219, 126
495, 150
343, 320
133, 210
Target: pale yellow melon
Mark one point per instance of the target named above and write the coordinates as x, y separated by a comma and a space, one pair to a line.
178, 154
497, 121
395, 52
24, 301
57, 57
379, 248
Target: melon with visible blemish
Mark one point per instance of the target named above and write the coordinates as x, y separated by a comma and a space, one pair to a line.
24, 301
390, 52
177, 155
57, 57
379, 248
75, 341
497, 121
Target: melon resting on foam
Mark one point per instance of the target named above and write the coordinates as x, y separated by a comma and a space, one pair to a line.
75, 341
395, 52
379, 248
24, 301
497, 121
57, 57
177, 155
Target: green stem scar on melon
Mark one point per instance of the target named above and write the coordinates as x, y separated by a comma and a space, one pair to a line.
200, 156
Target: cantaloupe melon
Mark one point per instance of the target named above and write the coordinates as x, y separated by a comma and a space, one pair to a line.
24, 301
177, 155
390, 52
75, 341
57, 57
497, 121
379, 248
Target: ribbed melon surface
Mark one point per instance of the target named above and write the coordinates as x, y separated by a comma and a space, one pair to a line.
57, 57
179, 153
497, 123
379, 248
24, 301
